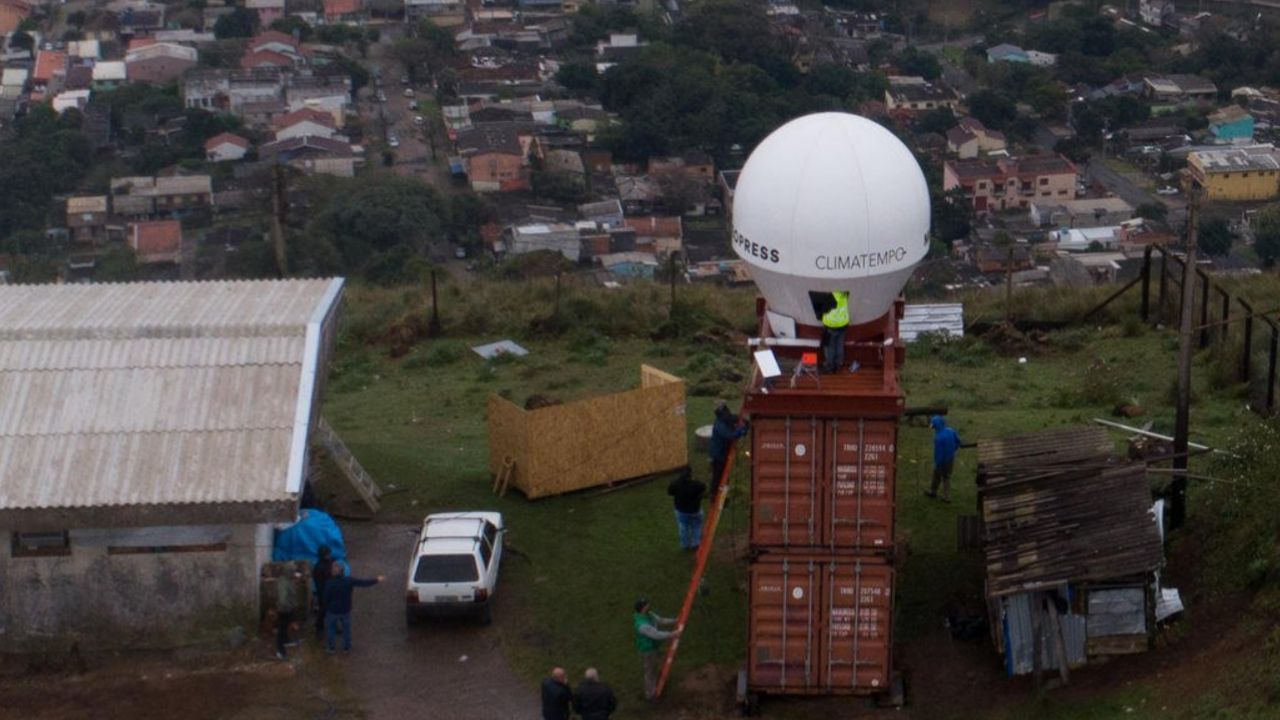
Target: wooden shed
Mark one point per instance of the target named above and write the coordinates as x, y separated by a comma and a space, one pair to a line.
591, 442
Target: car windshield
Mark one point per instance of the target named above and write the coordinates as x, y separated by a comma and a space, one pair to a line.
446, 569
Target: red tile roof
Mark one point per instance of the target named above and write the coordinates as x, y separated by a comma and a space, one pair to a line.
271, 36
263, 58
293, 118
135, 43
48, 62
338, 8
217, 140
655, 226
157, 240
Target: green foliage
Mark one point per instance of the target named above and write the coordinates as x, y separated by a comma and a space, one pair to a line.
580, 78
952, 216
239, 23
1153, 211
1266, 236
1214, 237
291, 23
913, 61
938, 120
377, 224
1075, 149
47, 155
994, 109
1239, 523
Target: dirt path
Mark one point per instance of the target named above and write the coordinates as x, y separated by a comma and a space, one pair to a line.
446, 670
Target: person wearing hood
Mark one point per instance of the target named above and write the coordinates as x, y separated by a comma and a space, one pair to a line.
726, 429
945, 443
687, 494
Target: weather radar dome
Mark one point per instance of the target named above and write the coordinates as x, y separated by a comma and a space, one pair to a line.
831, 201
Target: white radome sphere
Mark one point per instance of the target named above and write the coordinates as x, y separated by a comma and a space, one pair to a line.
831, 201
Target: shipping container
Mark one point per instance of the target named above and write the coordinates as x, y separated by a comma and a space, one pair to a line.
820, 625
822, 483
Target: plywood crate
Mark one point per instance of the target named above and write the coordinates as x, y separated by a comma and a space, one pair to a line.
591, 442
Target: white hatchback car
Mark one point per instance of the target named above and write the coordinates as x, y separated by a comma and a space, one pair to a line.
454, 568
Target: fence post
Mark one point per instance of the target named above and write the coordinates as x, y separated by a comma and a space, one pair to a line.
1247, 360
1224, 333
1204, 309
1271, 370
1164, 280
1146, 283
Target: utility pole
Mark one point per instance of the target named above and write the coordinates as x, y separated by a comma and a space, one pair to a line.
433, 327
1186, 345
1008, 287
279, 208
672, 272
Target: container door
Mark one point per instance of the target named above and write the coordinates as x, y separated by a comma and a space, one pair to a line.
861, 457
858, 597
786, 462
784, 631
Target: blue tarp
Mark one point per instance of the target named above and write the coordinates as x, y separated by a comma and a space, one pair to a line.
302, 540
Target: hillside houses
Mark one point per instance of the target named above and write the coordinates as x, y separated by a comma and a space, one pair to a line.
910, 95
1013, 182
971, 138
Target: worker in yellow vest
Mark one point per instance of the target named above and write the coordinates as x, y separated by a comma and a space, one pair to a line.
835, 322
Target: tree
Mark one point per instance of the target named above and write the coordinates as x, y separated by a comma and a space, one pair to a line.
912, 61
938, 120
1075, 149
1214, 237
994, 109
22, 40
292, 23
377, 221
240, 22
952, 216
579, 78
1266, 236
1153, 211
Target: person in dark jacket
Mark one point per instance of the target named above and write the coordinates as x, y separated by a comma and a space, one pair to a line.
687, 493
556, 695
319, 576
726, 429
337, 604
945, 444
594, 700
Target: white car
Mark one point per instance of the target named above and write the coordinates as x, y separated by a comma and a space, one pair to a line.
419, 120
1167, 190
454, 568
408, 92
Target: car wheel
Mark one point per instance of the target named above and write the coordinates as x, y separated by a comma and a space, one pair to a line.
411, 618
486, 615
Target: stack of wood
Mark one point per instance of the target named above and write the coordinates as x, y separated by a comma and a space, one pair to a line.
1059, 507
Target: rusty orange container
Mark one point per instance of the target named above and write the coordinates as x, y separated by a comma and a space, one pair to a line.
820, 625
822, 483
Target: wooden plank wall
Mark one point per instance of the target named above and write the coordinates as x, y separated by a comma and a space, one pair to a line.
592, 442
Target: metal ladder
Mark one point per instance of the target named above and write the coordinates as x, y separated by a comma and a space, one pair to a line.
342, 457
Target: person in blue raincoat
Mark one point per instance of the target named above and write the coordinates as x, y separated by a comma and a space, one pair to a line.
946, 442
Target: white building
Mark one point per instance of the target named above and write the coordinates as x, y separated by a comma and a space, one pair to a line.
152, 435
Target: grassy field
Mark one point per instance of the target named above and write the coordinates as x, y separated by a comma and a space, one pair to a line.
417, 423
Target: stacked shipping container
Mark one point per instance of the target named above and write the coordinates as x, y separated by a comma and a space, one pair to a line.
823, 465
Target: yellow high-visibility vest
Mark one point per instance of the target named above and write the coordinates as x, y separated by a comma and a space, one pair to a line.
838, 316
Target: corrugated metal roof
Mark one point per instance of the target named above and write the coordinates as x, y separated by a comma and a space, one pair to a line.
943, 318
155, 393
153, 310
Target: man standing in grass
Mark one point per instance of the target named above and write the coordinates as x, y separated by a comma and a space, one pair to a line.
594, 700
649, 639
945, 443
556, 695
687, 493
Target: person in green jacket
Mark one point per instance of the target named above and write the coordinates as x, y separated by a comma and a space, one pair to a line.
649, 639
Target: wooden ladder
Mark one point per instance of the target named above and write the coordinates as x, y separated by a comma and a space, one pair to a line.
502, 481
355, 472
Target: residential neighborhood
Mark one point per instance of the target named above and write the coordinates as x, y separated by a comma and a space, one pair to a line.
228, 223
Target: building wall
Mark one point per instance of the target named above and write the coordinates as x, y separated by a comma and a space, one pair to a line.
1241, 129
1250, 185
996, 194
226, 151
157, 70
106, 599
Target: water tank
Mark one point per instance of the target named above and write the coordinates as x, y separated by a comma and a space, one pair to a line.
831, 201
